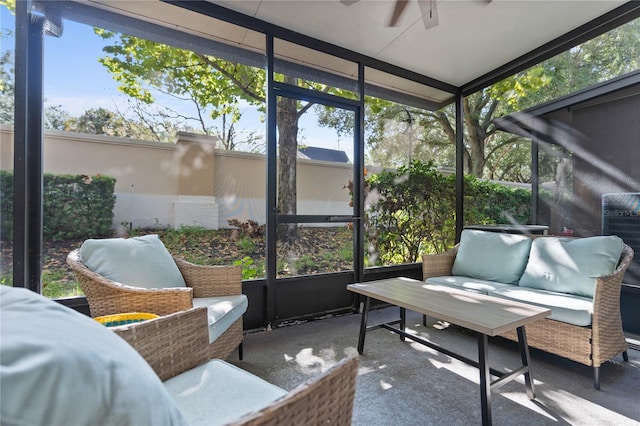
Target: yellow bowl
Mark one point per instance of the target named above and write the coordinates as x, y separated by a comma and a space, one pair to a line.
122, 319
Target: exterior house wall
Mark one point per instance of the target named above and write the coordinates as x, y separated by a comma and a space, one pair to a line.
610, 165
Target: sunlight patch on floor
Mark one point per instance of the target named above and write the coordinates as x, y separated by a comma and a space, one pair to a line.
563, 403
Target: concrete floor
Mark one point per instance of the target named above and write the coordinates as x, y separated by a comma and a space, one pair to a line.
408, 384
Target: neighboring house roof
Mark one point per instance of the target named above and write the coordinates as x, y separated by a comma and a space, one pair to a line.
323, 154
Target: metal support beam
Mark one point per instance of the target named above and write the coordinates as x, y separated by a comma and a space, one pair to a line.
28, 165
358, 182
459, 165
272, 186
535, 178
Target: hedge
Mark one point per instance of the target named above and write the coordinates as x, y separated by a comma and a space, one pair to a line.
75, 206
412, 211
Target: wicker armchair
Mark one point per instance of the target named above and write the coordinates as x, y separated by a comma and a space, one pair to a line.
176, 343
106, 297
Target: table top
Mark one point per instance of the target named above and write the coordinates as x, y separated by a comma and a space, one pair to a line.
485, 314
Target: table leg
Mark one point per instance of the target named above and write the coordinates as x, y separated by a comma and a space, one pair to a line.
526, 361
403, 322
363, 324
485, 378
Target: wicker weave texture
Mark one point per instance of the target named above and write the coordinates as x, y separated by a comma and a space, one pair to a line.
608, 337
438, 265
324, 400
227, 342
211, 281
171, 344
566, 340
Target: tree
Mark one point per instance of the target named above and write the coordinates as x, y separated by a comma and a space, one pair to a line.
6, 87
215, 87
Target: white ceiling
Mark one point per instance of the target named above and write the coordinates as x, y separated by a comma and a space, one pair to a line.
473, 36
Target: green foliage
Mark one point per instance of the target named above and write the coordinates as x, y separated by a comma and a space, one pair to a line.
214, 85
9, 4
55, 284
304, 264
413, 211
250, 269
184, 239
75, 206
345, 251
489, 203
246, 245
6, 204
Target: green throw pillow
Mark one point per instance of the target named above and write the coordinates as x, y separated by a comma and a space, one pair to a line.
491, 256
570, 265
138, 261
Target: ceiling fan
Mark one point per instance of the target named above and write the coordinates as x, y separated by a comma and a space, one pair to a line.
428, 9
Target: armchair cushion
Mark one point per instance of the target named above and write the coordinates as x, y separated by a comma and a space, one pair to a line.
216, 393
59, 367
137, 261
222, 312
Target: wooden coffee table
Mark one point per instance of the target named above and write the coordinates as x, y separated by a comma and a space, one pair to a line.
486, 315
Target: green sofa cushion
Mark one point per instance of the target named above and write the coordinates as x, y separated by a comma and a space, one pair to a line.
492, 256
567, 308
571, 265
138, 261
465, 283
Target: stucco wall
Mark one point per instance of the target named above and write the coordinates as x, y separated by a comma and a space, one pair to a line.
186, 183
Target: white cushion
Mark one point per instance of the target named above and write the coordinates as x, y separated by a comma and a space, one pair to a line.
138, 261
217, 393
222, 312
570, 265
59, 367
466, 283
492, 256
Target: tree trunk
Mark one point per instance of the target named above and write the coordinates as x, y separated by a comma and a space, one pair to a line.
476, 136
288, 151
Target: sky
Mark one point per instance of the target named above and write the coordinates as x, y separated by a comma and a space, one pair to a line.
76, 80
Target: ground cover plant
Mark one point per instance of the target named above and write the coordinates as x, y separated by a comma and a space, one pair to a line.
318, 250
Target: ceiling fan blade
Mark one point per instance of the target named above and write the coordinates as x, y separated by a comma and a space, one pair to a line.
397, 11
349, 2
429, 11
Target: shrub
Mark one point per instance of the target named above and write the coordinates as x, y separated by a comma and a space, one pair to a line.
75, 206
412, 211
413, 207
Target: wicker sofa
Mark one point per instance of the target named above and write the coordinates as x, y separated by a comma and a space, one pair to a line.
217, 287
585, 324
